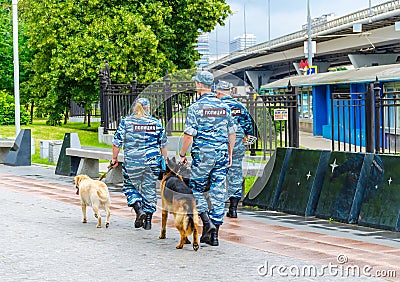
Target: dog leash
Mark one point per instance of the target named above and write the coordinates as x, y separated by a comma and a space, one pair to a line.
110, 167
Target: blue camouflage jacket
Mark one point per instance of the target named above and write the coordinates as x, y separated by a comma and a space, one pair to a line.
142, 139
209, 121
241, 117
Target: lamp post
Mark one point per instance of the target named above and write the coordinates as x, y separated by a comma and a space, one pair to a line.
244, 25
229, 39
370, 8
216, 42
16, 65
269, 20
309, 35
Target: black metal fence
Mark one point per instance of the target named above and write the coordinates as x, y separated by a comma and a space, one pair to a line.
275, 117
79, 111
366, 122
169, 100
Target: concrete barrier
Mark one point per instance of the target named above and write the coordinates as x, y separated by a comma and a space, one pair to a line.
20, 152
266, 189
5, 146
65, 163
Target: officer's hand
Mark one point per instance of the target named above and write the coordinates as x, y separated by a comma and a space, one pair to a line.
114, 163
229, 162
183, 160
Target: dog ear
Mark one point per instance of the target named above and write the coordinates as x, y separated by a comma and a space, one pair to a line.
171, 164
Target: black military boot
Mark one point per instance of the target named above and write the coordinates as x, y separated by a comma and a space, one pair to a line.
232, 212
208, 228
147, 221
140, 214
214, 237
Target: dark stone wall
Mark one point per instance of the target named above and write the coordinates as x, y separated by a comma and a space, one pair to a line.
357, 188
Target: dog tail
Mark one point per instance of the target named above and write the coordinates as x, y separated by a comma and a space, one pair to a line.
102, 197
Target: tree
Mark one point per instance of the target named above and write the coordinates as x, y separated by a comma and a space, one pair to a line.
177, 24
6, 48
7, 110
71, 39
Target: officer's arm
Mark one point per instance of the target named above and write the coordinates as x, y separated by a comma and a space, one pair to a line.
164, 152
115, 152
231, 144
187, 140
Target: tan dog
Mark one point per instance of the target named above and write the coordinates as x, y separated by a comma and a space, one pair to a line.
93, 193
178, 199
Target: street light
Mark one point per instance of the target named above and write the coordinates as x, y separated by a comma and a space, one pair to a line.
244, 25
229, 35
309, 35
269, 20
16, 65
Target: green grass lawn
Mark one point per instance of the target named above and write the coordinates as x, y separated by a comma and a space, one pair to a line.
40, 131
87, 135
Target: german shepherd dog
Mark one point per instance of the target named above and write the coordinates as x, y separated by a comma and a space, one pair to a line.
178, 199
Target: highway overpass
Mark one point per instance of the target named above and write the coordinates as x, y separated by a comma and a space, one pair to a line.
336, 45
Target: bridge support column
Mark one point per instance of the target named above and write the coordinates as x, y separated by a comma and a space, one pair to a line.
258, 78
368, 60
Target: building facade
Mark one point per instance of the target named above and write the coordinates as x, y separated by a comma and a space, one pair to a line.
242, 42
203, 47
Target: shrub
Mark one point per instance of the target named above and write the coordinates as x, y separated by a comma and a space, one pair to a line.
7, 110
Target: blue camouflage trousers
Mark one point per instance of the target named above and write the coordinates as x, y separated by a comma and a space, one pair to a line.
235, 174
210, 168
140, 185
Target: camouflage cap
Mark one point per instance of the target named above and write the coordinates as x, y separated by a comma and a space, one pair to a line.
144, 101
204, 77
224, 85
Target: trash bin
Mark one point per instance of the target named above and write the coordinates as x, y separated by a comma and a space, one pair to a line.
44, 149
54, 150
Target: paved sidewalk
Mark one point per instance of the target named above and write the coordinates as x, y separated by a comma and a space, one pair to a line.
43, 240
309, 141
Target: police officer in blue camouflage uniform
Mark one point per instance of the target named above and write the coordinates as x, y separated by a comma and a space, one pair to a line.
244, 125
144, 141
211, 131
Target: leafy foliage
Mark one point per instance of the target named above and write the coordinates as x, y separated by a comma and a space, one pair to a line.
6, 47
7, 110
72, 39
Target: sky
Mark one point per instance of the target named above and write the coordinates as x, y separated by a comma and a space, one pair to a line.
285, 16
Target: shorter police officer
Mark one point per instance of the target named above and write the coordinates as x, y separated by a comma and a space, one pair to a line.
144, 141
244, 130
211, 129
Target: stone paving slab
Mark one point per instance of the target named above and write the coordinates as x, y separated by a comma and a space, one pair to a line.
248, 232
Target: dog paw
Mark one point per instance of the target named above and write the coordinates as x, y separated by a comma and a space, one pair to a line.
162, 236
98, 226
107, 224
195, 246
84, 221
179, 246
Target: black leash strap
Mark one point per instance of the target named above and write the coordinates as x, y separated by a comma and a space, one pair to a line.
110, 167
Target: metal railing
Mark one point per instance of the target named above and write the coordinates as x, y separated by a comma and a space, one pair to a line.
366, 122
322, 29
170, 101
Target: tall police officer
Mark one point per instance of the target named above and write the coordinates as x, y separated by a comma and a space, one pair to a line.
144, 141
210, 126
244, 130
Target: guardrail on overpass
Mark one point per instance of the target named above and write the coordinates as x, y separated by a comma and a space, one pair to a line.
317, 30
